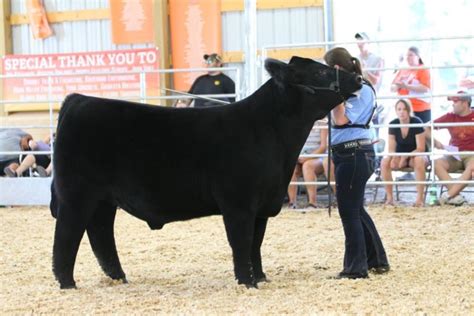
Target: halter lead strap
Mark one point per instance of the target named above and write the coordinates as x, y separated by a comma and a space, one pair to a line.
333, 86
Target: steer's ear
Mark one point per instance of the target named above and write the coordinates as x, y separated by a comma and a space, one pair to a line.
296, 60
278, 70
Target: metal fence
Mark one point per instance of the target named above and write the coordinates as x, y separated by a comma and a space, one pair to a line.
35, 191
144, 98
432, 94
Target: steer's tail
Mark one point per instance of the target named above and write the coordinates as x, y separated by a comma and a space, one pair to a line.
53, 205
68, 101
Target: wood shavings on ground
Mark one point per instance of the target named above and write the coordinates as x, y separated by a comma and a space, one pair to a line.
186, 268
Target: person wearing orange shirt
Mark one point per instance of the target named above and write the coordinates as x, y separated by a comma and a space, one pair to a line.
415, 84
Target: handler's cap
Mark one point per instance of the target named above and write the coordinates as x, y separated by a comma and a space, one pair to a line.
460, 97
211, 58
362, 36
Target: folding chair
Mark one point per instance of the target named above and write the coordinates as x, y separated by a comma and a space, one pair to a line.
379, 148
458, 173
409, 190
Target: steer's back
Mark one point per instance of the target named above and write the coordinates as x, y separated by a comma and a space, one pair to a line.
149, 159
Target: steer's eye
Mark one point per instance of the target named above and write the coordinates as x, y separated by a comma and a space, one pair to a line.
322, 73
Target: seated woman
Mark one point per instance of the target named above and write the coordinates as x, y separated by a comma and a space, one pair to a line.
12, 140
41, 163
310, 168
405, 140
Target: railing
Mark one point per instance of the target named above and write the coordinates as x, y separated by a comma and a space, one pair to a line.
143, 97
12, 190
432, 94
431, 154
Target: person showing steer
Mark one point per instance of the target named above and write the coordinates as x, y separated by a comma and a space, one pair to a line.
353, 155
242, 172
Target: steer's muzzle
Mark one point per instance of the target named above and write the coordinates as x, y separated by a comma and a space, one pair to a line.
359, 79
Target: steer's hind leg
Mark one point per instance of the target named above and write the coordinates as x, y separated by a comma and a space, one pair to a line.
240, 230
259, 232
100, 230
70, 227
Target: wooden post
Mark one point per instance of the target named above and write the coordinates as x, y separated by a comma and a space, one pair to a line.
6, 40
161, 25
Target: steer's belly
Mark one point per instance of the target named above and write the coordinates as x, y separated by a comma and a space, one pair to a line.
157, 214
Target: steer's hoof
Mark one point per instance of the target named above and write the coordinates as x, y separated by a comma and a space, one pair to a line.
264, 279
124, 280
67, 286
250, 284
261, 277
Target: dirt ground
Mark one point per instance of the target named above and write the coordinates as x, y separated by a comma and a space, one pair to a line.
186, 268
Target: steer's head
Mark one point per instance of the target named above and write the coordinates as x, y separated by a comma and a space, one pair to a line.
315, 88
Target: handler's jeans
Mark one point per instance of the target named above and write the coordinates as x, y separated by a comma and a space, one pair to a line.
364, 249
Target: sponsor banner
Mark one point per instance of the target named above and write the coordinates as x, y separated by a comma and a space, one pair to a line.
195, 31
132, 21
80, 74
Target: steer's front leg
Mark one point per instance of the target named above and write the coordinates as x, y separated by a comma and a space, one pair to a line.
240, 235
259, 233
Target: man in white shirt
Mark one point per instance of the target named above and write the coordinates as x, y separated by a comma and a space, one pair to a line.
369, 60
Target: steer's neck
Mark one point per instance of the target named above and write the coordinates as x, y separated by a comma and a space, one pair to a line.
281, 109
294, 134
292, 123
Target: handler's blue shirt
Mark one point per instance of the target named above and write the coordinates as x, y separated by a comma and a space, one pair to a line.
358, 111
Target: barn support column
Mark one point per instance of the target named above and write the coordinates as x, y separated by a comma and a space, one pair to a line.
6, 40
328, 23
250, 50
161, 26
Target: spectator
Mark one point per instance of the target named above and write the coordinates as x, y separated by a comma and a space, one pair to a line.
310, 168
214, 82
41, 163
181, 104
462, 139
369, 60
405, 140
414, 83
12, 139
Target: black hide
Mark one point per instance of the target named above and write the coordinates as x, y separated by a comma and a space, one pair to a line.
170, 164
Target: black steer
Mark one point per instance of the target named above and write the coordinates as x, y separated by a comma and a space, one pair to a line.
164, 164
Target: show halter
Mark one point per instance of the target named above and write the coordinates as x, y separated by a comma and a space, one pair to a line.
335, 87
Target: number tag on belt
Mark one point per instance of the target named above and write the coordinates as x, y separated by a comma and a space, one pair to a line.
350, 145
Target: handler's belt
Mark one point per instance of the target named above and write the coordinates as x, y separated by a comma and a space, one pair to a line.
351, 144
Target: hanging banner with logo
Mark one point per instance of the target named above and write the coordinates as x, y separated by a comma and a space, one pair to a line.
38, 20
103, 74
195, 31
132, 21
